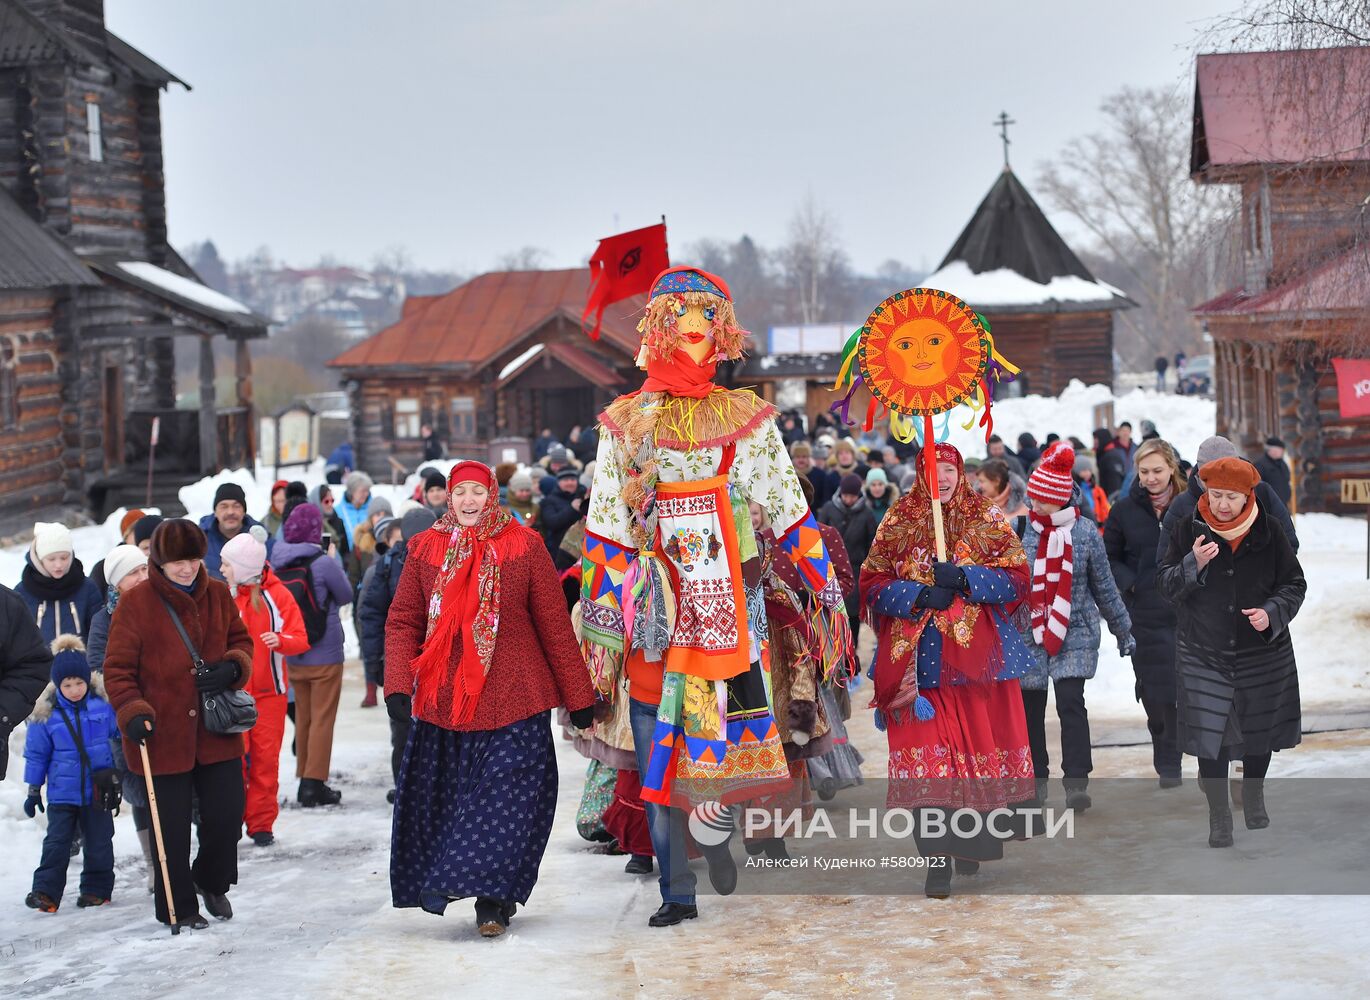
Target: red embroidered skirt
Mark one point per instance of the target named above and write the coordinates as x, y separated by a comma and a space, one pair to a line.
972, 753
626, 819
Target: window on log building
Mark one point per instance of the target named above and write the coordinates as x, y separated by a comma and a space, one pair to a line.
9, 386
94, 135
406, 418
463, 418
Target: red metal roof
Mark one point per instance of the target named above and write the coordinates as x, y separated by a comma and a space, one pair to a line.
474, 323
1339, 285
1296, 106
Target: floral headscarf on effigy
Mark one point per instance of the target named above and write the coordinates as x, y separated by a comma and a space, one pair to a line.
977, 534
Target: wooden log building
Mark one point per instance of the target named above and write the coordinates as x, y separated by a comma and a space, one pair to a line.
91, 293
1292, 130
497, 358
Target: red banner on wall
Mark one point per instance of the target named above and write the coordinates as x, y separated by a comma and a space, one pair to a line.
1353, 386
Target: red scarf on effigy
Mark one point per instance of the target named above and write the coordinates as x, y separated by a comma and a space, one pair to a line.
904, 549
465, 598
680, 375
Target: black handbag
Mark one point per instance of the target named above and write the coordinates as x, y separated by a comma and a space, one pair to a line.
108, 786
230, 711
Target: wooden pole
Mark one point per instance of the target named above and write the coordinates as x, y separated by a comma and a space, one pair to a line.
930, 471
161, 842
152, 455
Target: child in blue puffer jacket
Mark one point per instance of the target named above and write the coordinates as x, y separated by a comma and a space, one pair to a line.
71, 718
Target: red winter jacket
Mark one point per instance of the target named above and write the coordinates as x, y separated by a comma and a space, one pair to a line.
537, 663
279, 614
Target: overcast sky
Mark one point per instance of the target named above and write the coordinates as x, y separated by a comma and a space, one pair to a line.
461, 131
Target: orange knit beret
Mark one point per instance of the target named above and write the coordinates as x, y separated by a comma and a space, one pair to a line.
1235, 474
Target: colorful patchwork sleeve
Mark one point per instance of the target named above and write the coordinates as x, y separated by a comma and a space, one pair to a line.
605, 556
763, 468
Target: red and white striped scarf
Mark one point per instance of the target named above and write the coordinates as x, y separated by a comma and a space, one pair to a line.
1052, 572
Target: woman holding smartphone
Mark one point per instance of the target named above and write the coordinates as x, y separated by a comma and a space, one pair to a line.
1236, 585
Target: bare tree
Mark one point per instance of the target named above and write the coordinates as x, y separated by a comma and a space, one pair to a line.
524, 259
1129, 187
813, 260
1291, 24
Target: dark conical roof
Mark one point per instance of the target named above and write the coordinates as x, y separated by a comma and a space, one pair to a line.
1008, 230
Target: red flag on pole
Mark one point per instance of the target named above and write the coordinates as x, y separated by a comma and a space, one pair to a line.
624, 265
1353, 386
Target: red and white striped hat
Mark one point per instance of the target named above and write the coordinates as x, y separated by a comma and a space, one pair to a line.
1051, 481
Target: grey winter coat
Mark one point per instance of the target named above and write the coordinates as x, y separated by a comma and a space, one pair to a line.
1092, 591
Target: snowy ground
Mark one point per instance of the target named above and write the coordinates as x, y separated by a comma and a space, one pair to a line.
314, 920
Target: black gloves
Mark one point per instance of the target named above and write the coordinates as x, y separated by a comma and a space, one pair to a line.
400, 707
34, 803
938, 598
139, 728
949, 575
583, 718
212, 678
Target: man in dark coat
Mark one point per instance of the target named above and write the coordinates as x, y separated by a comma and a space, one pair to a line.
230, 519
24, 664
1111, 462
378, 592
1182, 509
1274, 469
561, 508
824, 483
850, 514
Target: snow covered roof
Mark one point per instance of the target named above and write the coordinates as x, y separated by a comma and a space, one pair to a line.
181, 294
1002, 288
1009, 255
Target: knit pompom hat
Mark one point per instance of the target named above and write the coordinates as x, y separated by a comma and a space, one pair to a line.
305, 524
69, 659
246, 555
1051, 481
176, 539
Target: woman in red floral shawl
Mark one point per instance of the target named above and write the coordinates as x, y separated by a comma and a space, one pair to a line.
479, 649
948, 662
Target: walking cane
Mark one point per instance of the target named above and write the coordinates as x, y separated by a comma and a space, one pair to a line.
157, 833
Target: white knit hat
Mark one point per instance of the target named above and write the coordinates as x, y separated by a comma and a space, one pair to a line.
50, 538
122, 560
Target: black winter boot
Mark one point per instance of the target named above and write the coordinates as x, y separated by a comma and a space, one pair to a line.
1253, 804
492, 917
639, 864
314, 792
938, 883
1219, 812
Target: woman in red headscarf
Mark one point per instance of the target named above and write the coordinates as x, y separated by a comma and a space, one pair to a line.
478, 649
948, 662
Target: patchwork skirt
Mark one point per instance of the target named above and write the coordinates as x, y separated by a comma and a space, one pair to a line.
473, 813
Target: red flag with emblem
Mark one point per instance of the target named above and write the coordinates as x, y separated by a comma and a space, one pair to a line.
1353, 386
624, 265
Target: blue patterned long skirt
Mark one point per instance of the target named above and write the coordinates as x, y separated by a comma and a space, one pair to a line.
473, 812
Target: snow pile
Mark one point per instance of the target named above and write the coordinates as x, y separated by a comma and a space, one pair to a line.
1004, 287
1184, 421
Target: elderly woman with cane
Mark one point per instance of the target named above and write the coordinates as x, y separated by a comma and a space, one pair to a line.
156, 690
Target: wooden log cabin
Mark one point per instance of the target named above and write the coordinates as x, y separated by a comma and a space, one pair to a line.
497, 358
1292, 129
1049, 315
91, 293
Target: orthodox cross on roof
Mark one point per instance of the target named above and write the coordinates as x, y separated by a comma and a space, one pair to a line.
1003, 122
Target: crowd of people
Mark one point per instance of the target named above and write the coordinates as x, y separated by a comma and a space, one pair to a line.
480, 604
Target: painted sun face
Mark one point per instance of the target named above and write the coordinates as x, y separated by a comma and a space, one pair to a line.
923, 351
696, 328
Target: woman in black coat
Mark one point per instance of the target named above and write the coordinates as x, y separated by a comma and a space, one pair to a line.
1131, 536
1236, 585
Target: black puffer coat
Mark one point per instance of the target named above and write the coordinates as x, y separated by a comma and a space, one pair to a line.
1236, 688
1131, 536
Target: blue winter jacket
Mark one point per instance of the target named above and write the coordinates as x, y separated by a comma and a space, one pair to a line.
990, 588
376, 597
217, 541
50, 753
